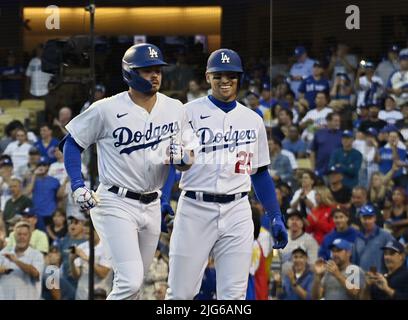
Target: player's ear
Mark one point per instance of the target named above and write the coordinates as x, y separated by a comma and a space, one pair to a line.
207, 77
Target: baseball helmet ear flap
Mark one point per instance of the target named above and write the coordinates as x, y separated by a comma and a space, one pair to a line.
141, 55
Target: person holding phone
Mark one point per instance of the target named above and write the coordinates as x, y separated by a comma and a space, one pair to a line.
21, 267
392, 285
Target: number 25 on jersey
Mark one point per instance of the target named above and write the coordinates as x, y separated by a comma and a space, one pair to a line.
243, 165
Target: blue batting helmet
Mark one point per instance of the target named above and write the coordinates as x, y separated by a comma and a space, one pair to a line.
140, 56
224, 60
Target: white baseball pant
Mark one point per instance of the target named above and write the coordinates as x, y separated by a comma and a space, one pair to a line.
200, 228
130, 232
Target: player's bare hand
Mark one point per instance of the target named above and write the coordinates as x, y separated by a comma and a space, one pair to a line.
86, 198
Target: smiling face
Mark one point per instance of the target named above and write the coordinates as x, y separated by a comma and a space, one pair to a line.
224, 85
153, 75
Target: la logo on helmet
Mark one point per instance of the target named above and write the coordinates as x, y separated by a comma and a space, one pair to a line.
153, 53
224, 58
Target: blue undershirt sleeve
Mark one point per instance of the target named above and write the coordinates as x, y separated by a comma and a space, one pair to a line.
265, 192
72, 160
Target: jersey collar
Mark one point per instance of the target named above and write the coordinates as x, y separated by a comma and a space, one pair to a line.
224, 106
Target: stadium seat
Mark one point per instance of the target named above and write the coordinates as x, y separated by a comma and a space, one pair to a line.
33, 104
20, 114
304, 163
8, 103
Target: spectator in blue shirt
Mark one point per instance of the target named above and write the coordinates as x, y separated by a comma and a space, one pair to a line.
397, 84
11, 77
342, 230
347, 159
367, 247
392, 152
301, 69
297, 282
45, 192
266, 100
325, 141
313, 84
294, 144
280, 164
47, 143
74, 237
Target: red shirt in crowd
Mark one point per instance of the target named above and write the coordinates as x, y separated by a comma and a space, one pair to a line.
320, 222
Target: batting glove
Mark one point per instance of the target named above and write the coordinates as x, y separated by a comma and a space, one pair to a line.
279, 233
86, 198
176, 152
166, 208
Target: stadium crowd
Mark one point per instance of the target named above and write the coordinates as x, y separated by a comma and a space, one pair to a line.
338, 139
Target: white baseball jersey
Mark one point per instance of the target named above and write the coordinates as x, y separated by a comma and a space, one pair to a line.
232, 145
131, 142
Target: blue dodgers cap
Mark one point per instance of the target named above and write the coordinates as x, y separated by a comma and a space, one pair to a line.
367, 64
266, 86
395, 246
347, 134
367, 211
299, 51
28, 212
403, 54
6, 162
251, 93
341, 244
100, 87
393, 48
334, 169
43, 161
389, 128
372, 131
343, 76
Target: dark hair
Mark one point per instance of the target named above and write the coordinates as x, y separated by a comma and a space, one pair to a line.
330, 116
276, 141
15, 124
310, 173
341, 209
288, 112
45, 124
291, 93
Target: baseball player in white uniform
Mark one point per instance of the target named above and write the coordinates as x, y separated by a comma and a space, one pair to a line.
213, 214
137, 134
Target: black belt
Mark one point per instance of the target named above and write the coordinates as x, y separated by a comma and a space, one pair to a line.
220, 198
145, 198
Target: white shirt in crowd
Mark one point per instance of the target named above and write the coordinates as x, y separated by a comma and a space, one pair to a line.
319, 121
18, 153
18, 285
291, 157
305, 240
102, 259
365, 85
367, 151
39, 80
391, 117
311, 196
58, 171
